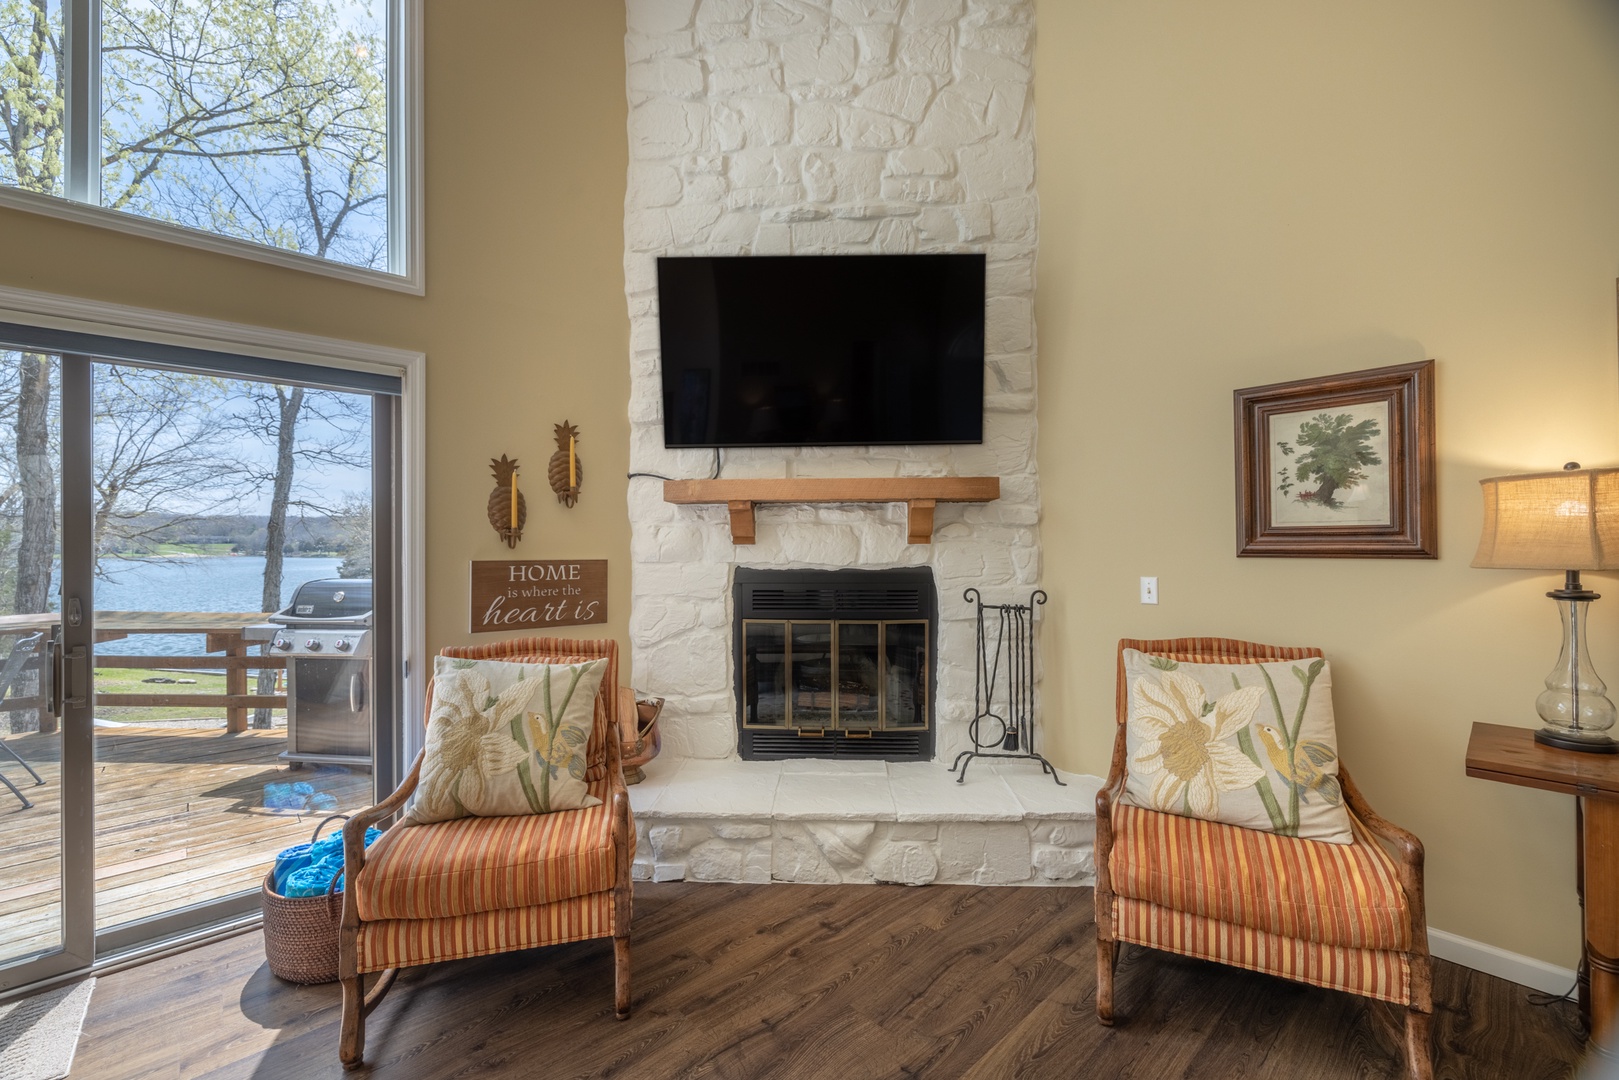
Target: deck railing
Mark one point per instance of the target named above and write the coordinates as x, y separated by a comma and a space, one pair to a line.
222, 633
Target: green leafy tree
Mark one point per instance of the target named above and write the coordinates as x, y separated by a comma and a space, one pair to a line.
353, 520
260, 119
1336, 449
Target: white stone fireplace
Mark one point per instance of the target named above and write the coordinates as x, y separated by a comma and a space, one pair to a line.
777, 127
818, 126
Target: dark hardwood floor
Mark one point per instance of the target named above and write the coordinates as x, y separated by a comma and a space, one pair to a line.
745, 982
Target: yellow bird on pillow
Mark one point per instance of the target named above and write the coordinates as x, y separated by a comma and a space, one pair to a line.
1304, 770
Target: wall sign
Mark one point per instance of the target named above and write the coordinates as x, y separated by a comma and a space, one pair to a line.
535, 594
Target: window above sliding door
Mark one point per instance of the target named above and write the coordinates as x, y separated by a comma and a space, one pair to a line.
280, 130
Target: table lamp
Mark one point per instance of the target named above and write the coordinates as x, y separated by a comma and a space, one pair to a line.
1566, 521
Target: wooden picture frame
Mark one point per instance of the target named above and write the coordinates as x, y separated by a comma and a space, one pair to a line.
1340, 466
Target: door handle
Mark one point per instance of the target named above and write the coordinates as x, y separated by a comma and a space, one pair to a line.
356, 692
76, 674
50, 673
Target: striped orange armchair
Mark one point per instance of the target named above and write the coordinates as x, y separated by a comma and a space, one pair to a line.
476, 886
1343, 916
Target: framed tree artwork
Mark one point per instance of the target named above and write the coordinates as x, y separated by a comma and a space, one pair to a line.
1338, 467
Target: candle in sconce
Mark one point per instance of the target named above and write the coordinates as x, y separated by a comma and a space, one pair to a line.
573, 465
514, 500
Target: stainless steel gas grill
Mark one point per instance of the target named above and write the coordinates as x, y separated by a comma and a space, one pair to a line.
325, 634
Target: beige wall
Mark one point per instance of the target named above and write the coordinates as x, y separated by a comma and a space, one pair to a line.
1231, 196
524, 321
1256, 191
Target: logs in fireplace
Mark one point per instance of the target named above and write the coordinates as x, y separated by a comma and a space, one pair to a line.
835, 663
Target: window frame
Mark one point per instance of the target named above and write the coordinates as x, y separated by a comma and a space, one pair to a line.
80, 200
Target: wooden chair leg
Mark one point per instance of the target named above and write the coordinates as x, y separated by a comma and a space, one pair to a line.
1418, 1045
1107, 958
621, 977
351, 1043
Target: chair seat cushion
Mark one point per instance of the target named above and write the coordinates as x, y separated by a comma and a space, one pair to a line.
472, 865
1331, 894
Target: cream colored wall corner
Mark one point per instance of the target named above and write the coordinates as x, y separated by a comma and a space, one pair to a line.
523, 323
1251, 192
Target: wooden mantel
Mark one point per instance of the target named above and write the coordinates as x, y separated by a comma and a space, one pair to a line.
919, 493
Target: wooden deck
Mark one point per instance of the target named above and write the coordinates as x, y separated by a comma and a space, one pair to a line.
180, 819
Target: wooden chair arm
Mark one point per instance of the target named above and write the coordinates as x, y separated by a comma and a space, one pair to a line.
354, 829
1109, 793
619, 805
354, 861
1112, 788
1411, 858
1403, 841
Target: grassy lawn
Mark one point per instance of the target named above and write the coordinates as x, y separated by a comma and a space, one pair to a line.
111, 680
193, 549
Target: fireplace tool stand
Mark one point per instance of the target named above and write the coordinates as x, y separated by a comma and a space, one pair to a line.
1011, 733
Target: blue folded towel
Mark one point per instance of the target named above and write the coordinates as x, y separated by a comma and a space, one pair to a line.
307, 869
294, 858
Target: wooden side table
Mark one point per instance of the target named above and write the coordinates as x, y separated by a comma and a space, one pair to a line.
1511, 755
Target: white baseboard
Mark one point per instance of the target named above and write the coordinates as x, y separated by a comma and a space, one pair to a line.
1514, 967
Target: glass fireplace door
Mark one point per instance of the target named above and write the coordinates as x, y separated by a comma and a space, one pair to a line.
857, 677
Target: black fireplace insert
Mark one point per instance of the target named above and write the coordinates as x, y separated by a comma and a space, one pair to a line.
835, 663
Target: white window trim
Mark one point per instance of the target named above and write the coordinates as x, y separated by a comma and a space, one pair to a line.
406, 210
29, 308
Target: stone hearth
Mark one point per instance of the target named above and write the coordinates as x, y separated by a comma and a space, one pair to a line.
863, 822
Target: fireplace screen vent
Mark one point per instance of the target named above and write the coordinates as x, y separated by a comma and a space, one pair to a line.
881, 746
835, 663
898, 601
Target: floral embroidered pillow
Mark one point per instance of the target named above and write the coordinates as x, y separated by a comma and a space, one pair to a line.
1245, 744
505, 739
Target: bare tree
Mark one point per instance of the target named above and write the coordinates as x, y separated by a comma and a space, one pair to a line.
36, 544
335, 426
159, 437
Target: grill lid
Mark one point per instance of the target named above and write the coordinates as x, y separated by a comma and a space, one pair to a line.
328, 600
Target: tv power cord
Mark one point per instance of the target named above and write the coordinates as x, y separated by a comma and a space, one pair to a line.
660, 476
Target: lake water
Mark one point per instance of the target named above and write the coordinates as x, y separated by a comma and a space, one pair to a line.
207, 583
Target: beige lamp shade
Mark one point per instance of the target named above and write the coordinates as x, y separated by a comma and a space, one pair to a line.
1566, 520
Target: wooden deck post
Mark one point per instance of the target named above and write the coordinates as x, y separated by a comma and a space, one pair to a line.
235, 678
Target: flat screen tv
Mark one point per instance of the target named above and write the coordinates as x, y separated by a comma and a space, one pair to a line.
822, 350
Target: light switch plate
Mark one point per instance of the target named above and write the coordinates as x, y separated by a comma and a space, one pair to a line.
1149, 590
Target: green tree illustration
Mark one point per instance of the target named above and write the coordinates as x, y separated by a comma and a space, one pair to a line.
1336, 449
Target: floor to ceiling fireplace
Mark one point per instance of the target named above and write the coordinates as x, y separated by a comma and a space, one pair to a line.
835, 663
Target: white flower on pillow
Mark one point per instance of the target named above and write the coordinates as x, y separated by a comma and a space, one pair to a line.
473, 729
1183, 744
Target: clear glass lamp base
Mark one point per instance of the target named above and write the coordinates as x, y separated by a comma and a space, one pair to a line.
1575, 705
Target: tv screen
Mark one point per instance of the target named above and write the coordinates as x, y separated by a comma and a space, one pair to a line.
822, 350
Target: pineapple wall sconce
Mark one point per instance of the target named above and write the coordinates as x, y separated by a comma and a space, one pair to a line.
564, 470
507, 507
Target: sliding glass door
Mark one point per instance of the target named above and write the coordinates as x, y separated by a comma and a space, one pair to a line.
46, 922
157, 543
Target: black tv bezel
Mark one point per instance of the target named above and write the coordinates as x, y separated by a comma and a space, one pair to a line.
663, 389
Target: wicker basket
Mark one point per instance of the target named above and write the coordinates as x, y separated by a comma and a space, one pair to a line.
300, 932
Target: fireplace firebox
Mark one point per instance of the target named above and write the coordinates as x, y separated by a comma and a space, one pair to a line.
835, 663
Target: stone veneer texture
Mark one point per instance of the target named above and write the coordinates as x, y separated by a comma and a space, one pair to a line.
1033, 852
776, 127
